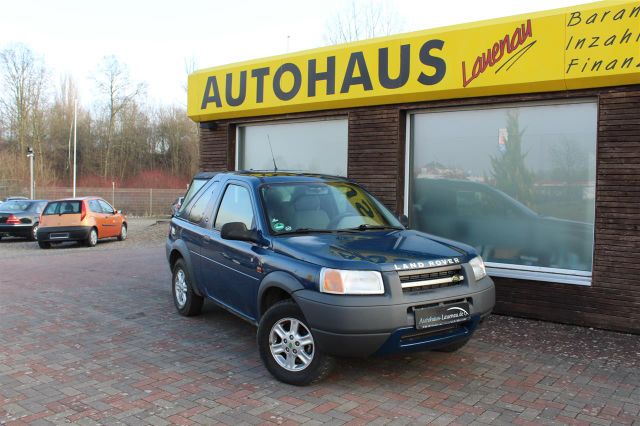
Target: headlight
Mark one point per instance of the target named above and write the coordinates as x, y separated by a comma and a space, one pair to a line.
350, 282
479, 272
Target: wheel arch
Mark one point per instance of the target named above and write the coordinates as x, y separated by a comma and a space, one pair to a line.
180, 251
275, 287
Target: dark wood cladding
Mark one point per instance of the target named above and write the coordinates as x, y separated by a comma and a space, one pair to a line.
375, 152
215, 148
376, 159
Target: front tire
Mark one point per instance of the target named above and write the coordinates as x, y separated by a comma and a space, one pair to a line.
92, 239
123, 233
187, 302
287, 347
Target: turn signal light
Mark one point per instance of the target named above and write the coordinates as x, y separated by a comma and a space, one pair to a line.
12, 220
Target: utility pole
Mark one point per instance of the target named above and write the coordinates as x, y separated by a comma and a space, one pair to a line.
31, 155
75, 129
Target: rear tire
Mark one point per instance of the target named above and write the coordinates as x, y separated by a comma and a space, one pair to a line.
92, 239
33, 236
187, 302
44, 244
298, 360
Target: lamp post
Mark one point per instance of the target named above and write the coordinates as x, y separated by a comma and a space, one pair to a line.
75, 131
30, 156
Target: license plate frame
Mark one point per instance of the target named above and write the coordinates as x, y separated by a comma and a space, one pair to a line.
59, 236
436, 316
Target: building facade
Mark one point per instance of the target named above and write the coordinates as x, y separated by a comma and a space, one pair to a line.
519, 136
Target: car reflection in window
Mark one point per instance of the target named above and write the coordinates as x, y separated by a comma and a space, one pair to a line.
501, 228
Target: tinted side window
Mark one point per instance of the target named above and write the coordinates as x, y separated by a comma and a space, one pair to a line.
94, 206
63, 207
195, 186
198, 210
235, 207
70, 207
106, 208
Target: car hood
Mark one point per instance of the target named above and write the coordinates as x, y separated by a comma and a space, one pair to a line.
374, 250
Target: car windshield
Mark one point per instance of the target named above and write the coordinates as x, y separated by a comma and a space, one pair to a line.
14, 206
324, 207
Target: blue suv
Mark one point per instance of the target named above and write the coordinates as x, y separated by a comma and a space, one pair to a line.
323, 269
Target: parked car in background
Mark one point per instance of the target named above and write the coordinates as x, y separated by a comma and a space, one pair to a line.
323, 269
85, 219
20, 218
502, 229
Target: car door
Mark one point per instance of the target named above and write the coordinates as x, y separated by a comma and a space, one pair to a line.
111, 222
99, 216
229, 268
193, 220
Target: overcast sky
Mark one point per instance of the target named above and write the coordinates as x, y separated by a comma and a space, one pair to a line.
157, 38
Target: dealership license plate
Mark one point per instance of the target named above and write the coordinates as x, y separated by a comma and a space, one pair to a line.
442, 315
59, 236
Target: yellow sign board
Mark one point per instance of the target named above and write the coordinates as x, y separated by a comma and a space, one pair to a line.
592, 45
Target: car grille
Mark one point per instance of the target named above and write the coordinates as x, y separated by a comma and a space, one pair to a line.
428, 279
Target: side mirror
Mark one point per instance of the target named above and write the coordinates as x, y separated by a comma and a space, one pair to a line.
404, 220
238, 231
117, 212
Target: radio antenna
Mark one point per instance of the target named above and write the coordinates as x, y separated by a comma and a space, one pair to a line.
273, 157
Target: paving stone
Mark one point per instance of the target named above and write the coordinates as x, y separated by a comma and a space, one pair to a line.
113, 351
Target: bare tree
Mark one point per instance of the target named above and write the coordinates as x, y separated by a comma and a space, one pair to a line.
190, 65
23, 100
120, 138
360, 20
23, 80
114, 83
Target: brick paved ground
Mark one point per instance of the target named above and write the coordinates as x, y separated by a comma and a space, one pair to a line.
90, 336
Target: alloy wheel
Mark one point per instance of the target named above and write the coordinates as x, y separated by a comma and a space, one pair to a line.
291, 344
180, 288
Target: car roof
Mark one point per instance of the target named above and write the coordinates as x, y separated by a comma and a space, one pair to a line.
205, 175
280, 176
89, 197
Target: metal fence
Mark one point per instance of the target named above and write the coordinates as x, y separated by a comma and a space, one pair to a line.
132, 201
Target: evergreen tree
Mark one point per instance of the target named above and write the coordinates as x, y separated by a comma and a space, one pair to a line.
510, 173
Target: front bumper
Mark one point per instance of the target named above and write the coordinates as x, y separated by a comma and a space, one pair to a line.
363, 326
64, 233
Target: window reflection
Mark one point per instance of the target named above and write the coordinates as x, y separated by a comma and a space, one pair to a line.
517, 183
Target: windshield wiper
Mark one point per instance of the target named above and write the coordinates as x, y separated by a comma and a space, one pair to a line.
307, 231
368, 227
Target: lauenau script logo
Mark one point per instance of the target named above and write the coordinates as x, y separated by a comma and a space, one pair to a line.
498, 54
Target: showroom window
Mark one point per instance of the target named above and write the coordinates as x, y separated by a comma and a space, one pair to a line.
517, 182
309, 146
